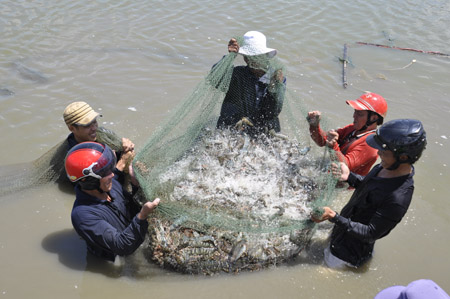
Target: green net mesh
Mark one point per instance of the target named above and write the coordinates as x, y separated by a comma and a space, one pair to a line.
234, 196
47, 168
236, 191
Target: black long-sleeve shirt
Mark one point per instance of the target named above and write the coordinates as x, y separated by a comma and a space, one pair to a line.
375, 208
109, 228
251, 97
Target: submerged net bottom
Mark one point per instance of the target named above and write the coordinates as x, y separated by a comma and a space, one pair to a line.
235, 202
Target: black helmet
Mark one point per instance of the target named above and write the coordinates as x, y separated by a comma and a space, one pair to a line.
401, 136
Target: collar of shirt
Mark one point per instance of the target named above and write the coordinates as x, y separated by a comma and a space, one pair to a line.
265, 78
364, 133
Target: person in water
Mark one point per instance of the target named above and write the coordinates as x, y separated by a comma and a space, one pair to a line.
81, 120
380, 199
103, 214
349, 142
256, 92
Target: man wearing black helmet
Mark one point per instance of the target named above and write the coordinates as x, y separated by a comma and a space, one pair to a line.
103, 214
381, 198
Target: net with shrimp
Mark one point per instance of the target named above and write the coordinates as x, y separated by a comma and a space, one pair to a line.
236, 172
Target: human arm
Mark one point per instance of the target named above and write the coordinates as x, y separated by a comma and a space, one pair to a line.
376, 206
101, 232
277, 88
332, 140
127, 145
233, 46
315, 131
147, 208
125, 165
342, 173
368, 224
104, 225
327, 214
379, 223
358, 155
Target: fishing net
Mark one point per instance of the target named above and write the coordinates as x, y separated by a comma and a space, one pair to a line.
47, 168
236, 187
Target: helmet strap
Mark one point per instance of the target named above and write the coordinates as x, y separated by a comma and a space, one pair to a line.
90, 183
368, 122
398, 162
395, 165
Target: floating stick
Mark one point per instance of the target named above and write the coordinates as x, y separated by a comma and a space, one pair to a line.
344, 67
405, 49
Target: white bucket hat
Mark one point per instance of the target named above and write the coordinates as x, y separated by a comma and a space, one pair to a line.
255, 44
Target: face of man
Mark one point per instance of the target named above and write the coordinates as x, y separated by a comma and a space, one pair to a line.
359, 119
258, 64
85, 133
387, 158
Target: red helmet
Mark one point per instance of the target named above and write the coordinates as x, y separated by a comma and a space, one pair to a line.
372, 102
89, 159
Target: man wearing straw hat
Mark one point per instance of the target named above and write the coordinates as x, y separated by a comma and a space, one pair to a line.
81, 121
256, 91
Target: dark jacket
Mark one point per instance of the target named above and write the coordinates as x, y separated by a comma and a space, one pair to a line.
248, 97
375, 208
109, 228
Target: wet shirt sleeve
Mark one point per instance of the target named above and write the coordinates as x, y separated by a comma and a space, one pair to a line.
318, 135
359, 155
376, 219
93, 227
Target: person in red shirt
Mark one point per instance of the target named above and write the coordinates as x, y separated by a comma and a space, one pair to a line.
349, 142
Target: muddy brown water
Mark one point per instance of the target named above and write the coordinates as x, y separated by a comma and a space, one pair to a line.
135, 61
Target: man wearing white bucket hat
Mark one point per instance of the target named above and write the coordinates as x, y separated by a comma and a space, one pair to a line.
254, 44
256, 93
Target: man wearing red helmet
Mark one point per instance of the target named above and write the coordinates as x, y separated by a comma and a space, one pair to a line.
103, 214
81, 120
349, 142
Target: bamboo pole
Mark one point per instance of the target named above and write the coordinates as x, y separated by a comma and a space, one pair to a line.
405, 49
344, 67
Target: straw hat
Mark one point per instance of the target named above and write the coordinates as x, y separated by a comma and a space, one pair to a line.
255, 44
79, 113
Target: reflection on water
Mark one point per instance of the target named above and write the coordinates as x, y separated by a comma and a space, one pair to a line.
134, 62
